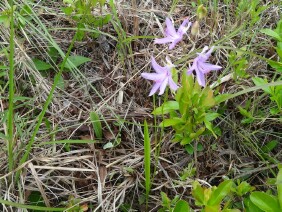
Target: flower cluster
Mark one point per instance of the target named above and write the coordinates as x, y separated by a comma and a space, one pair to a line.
163, 75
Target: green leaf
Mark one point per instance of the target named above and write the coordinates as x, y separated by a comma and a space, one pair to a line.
171, 122
271, 33
250, 206
276, 65
147, 160
210, 127
269, 146
222, 98
41, 65
76, 61
166, 108
181, 206
244, 112
211, 116
61, 83
165, 200
221, 192
97, 126
259, 81
189, 148
198, 193
265, 201
279, 186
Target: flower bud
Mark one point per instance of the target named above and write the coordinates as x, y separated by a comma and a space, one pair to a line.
195, 28
201, 12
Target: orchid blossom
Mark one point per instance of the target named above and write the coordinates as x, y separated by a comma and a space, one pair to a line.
172, 36
202, 67
161, 78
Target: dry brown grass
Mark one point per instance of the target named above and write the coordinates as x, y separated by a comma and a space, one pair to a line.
106, 179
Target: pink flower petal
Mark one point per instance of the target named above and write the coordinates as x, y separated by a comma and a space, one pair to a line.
155, 88
172, 45
153, 76
170, 30
163, 40
182, 29
159, 69
201, 78
208, 54
207, 67
172, 84
163, 86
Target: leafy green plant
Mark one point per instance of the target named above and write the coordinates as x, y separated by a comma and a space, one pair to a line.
81, 12
275, 93
190, 114
174, 205
210, 198
265, 201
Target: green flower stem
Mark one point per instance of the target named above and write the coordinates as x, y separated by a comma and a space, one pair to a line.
11, 91
158, 140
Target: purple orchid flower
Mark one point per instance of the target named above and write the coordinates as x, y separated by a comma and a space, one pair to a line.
172, 36
161, 78
201, 67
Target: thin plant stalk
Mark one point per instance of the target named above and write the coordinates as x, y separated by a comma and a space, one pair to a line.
45, 107
11, 91
147, 161
158, 140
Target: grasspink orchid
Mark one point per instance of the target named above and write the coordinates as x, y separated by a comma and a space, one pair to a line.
161, 78
172, 36
202, 67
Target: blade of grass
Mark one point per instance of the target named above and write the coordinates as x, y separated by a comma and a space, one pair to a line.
11, 91
68, 142
147, 159
47, 103
31, 207
97, 126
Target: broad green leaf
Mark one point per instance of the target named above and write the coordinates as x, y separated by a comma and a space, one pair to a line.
185, 141
67, 10
171, 122
198, 193
276, 65
209, 100
189, 148
265, 201
211, 116
41, 65
181, 206
221, 192
166, 108
101, 21
165, 200
212, 208
4, 18
97, 126
250, 206
271, 33
210, 127
76, 61
279, 186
